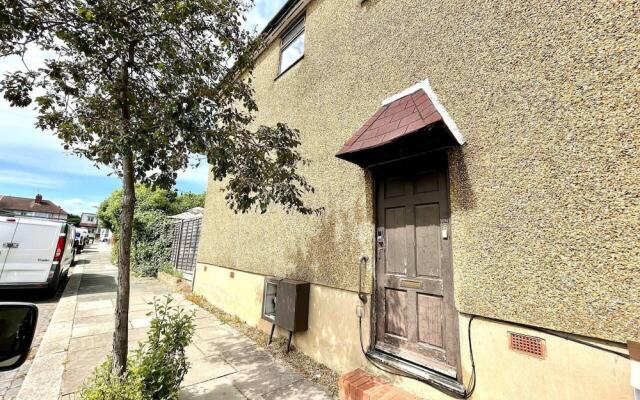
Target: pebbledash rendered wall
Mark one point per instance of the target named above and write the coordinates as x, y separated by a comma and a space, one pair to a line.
546, 192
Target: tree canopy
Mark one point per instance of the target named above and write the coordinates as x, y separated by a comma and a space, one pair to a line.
162, 80
142, 85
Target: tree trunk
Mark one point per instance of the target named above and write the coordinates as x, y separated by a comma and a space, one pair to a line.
121, 334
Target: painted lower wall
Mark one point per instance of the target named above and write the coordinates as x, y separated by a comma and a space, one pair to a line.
570, 370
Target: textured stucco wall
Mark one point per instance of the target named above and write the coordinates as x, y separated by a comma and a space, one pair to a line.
545, 195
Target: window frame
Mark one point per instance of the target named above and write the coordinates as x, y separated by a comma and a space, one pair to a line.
296, 29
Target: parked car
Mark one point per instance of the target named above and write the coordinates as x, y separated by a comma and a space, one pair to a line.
81, 239
105, 235
35, 253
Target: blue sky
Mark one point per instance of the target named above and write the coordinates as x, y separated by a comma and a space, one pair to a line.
33, 161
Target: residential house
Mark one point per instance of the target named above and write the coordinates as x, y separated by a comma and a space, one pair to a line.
35, 207
478, 167
90, 222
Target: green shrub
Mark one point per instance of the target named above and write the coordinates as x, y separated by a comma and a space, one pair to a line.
152, 229
151, 244
157, 368
104, 384
162, 360
167, 268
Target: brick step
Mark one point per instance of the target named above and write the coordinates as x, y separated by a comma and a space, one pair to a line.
359, 385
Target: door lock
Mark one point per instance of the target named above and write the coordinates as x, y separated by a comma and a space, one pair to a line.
380, 242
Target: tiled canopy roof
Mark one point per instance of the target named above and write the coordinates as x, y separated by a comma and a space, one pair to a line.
394, 120
400, 116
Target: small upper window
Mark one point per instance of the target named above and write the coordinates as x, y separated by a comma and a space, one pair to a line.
292, 47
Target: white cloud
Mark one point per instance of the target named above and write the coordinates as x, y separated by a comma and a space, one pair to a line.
27, 179
77, 206
195, 175
52, 160
262, 13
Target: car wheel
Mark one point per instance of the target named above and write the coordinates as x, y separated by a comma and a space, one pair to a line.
53, 287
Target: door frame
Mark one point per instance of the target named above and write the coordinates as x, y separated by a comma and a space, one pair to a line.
375, 173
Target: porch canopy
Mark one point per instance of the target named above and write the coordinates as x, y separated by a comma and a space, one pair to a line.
409, 123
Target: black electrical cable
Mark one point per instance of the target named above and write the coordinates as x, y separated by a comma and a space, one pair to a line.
472, 381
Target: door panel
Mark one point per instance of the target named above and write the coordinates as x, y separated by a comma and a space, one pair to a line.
430, 318
396, 303
395, 227
415, 315
426, 182
394, 187
427, 240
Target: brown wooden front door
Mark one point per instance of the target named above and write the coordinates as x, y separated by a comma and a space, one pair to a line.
415, 312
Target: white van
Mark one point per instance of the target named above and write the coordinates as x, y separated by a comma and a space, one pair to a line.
34, 253
81, 239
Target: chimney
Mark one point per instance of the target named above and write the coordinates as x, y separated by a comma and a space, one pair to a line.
38, 198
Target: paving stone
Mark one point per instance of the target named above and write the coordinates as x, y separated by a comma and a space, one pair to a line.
216, 389
87, 359
73, 379
140, 307
235, 342
90, 342
5, 385
207, 322
204, 369
247, 359
94, 319
92, 305
89, 329
215, 331
264, 379
300, 390
140, 322
193, 352
12, 393
96, 312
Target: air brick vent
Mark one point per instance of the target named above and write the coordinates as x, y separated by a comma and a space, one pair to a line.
531, 345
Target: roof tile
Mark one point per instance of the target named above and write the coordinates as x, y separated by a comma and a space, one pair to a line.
392, 121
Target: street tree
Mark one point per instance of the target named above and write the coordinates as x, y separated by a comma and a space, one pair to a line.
141, 85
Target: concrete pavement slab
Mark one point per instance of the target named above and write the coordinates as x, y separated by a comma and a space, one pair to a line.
89, 329
92, 305
216, 389
254, 383
299, 390
204, 369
